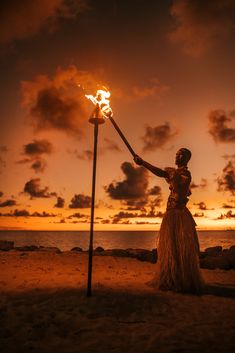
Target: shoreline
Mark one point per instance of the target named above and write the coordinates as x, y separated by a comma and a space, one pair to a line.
211, 258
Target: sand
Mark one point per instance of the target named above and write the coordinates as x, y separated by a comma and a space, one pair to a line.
44, 308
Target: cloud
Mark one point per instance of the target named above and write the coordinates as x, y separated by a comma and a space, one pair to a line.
58, 103
26, 18
34, 151
156, 190
16, 213
201, 24
133, 189
77, 215
25, 213
119, 216
198, 214
151, 214
228, 156
105, 221
39, 165
33, 188
229, 214
38, 147
218, 126
203, 184
80, 201
111, 145
85, 155
60, 202
3, 150
136, 93
8, 203
157, 137
225, 205
226, 182
202, 206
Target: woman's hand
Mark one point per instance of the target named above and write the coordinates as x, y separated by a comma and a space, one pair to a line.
138, 160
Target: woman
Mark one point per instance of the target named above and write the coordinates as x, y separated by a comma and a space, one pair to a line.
178, 247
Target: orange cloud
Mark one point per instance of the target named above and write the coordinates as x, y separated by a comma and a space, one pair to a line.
157, 136
25, 18
201, 24
58, 103
218, 126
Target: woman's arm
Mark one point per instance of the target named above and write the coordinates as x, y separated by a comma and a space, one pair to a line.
157, 171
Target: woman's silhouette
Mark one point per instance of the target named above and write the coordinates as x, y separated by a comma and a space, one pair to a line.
178, 246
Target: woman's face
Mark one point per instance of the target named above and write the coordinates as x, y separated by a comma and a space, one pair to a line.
180, 158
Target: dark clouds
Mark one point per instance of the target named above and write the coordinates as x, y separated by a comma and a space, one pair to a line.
111, 145
229, 215
58, 103
80, 201
198, 214
157, 137
60, 202
122, 215
33, 188
8, 203
225, 205
218, 126
33, 153
85, 155
38, 147
3, 150
226, 182
201, 24
155, 190
134, 186
77, 215
39, 165
203, 184
25, 213
202, 206
118, 218
26, 18
228, 156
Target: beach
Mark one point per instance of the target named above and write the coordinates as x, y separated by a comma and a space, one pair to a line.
44, 307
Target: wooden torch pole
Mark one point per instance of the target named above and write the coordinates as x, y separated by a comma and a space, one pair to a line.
95, 119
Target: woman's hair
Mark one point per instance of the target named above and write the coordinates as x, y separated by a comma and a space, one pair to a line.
187, 153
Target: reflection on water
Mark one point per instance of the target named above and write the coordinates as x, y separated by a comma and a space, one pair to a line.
65, 240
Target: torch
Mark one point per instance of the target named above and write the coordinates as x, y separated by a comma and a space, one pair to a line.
102, 110
102, 100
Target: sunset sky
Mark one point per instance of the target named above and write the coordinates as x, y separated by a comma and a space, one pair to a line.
170, 68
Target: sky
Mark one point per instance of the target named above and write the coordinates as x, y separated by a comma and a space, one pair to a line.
169, 66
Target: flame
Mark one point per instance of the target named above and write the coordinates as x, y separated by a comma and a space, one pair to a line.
102, 99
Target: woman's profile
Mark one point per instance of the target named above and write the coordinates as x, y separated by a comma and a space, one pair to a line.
178, 247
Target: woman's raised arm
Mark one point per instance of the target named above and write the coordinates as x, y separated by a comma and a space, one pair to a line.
156, 171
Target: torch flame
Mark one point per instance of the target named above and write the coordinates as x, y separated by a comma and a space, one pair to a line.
102, 100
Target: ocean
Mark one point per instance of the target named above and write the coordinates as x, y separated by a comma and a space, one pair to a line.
66, 240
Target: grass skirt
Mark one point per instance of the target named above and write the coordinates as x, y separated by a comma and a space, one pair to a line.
178, 253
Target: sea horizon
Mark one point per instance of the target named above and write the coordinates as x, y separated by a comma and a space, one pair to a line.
66, 240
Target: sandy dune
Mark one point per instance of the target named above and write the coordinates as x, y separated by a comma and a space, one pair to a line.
44, 307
